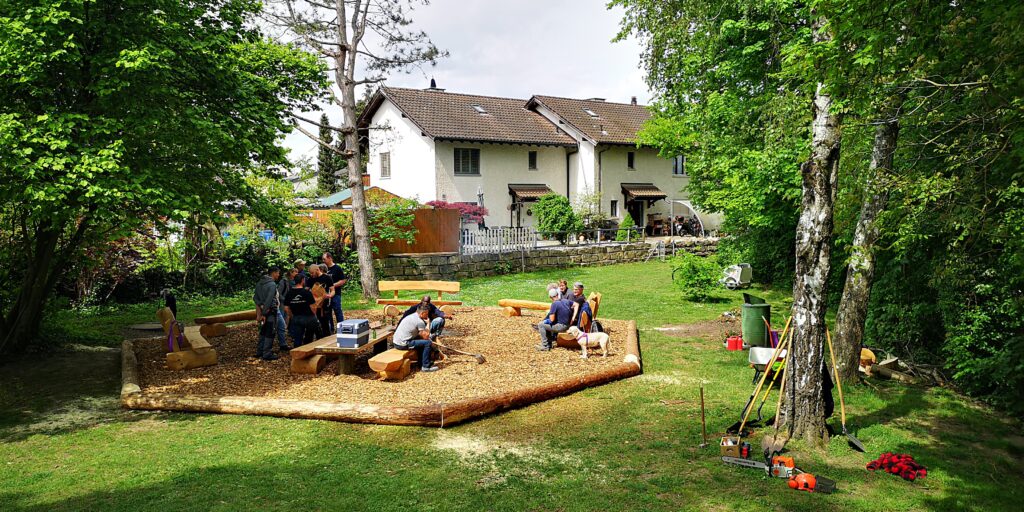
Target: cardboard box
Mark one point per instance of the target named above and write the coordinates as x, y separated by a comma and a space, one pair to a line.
731, 450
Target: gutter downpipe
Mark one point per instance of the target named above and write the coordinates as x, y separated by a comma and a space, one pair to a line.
568, 171
600, 180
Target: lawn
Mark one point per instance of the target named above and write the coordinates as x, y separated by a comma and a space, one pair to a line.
633, 444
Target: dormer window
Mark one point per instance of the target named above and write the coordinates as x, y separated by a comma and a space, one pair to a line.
479, 110
590, 113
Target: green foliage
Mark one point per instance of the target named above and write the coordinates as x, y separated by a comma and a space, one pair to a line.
328, 162
555, 217
392, 220
696, 276
106, 126
626, 226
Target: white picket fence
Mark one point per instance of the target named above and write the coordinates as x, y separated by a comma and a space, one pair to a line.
498, 240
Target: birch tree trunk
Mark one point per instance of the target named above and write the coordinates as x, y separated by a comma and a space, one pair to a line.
860, 270
804, 409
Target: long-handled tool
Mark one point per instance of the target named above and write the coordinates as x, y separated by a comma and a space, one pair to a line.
737, 428
850, 438
774, 444
480, 359
703, 425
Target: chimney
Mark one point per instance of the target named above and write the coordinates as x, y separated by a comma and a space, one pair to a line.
366, 180
632, 101
433, 86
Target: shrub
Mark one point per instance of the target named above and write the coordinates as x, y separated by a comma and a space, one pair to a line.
696, 276
627, 224
471, 213
555, 217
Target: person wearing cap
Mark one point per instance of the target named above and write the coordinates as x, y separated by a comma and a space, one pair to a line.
267, 303
300, 268
556, 321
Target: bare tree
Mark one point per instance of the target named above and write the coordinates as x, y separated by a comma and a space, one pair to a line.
805, 406
366, 37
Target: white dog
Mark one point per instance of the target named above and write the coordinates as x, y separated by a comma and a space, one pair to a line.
593, 339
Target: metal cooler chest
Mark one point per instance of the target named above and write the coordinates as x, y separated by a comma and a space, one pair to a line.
353, 333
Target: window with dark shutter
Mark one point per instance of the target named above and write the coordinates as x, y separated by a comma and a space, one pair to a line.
533, 160
467, 161
630, 158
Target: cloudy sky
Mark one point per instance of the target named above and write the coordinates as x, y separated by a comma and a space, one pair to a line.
517, 48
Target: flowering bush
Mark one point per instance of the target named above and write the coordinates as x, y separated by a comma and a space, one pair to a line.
471, 213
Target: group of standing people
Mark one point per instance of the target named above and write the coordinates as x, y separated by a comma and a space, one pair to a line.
304, 303
567, 308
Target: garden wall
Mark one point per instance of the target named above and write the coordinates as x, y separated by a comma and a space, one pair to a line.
458, 267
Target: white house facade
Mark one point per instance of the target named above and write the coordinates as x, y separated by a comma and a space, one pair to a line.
505, 153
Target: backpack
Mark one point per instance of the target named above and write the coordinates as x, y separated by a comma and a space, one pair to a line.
596, 326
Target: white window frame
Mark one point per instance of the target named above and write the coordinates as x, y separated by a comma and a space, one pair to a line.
613, 210
385, 165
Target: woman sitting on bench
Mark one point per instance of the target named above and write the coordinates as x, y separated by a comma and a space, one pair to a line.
412, 334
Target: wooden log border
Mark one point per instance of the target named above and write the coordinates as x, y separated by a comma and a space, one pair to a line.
436, 415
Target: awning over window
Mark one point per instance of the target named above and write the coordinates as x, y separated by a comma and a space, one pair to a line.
642, 192
527, 193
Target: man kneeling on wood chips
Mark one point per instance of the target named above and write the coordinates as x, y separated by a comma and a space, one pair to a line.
412, 334
436, 317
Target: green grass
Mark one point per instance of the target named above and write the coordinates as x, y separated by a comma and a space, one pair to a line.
64, 445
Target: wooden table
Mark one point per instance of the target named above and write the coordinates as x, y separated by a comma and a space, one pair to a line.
347, 356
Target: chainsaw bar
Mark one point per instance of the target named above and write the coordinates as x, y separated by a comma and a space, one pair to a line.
746, 463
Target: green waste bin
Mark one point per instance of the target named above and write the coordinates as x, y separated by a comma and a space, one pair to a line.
755, 333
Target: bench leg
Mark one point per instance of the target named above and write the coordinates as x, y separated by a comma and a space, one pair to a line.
346, 364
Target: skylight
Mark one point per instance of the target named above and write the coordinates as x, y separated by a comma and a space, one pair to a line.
590, 113
479, 109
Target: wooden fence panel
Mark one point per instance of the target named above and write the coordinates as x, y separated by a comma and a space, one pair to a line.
437, 230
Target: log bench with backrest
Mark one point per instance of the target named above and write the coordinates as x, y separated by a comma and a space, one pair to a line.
187, 348
312, 357
214, 325
441, 287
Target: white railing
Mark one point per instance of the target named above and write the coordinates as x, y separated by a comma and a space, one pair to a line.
498, 240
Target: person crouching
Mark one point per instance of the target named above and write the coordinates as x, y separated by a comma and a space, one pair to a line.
412, 334
556, 321
436, 317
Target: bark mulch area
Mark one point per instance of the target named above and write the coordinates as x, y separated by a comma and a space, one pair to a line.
507, 343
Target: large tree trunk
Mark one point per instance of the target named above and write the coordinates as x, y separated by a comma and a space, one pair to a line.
804, 408
22, 322
860, 271
345, 67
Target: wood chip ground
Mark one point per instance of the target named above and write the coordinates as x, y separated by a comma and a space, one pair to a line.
507, 343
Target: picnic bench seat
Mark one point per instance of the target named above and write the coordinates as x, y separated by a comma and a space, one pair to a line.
396, 363
441, 287
312, 357
188, 349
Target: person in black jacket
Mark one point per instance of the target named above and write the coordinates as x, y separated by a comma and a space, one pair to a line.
267, 303
435, 316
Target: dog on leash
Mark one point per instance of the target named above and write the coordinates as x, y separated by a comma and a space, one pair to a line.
592, 339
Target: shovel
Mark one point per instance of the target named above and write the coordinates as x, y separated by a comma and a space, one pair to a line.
480, 359
850, 438
774, 443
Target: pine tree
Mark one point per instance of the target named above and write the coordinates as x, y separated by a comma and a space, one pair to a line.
327, 160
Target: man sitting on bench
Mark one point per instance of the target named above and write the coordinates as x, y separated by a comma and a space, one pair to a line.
556, 321
436, 316
412, 334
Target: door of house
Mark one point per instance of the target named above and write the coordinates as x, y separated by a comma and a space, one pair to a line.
636, 211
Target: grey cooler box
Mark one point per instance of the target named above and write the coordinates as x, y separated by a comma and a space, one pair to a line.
353, 333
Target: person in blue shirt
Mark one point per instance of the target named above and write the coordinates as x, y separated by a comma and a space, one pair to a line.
556, 321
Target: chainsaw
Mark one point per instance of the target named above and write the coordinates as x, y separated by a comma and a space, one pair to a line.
781, 467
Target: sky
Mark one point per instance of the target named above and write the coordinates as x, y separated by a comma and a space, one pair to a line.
518, 48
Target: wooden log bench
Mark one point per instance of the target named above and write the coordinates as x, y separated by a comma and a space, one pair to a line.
441, 287
312, 357
214, 325
193, 352
396, 364
515, 307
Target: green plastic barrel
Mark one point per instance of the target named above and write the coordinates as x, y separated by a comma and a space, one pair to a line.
755, 333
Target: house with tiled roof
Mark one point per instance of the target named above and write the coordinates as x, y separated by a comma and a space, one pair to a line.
505, 153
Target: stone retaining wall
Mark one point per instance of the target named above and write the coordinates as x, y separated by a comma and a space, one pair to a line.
455, 267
